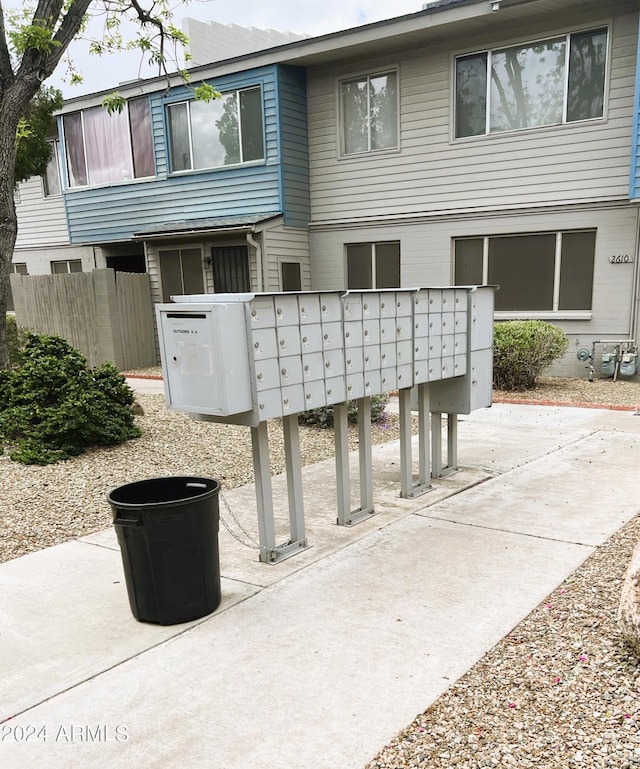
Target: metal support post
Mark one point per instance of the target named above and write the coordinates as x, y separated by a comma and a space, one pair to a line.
341, 431
294, 479
347, 516
408, 489
438, 468
264, 496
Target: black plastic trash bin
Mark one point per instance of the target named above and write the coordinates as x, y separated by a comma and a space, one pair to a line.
168, 534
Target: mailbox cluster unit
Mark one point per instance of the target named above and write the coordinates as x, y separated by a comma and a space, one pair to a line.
248, 358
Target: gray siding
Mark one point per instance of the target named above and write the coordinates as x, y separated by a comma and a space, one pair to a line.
432, 173
286, 244
41, 220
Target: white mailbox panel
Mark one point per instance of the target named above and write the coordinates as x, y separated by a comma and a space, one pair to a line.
270, 404
421, 301
333, 363
404, 329
466, 393
293, 399
202, 372
332, 338
421, 325
353, 334
330, 308
435, 324
354, 360
481, 318
290, 370
371, 331
372, 358
388, 355
404, 352
448, 325
421, 348
404, 304
405, 376
372, 383
448, 300
355, 386
370, 306
459, 365
388, 330
387, 304
447, 345
389, 379
314, 395
447, 367
435, 347
336, 390
267, 374
435, 300
352, 307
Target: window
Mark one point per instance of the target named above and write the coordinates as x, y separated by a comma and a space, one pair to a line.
103, 148
545, 83
369, 113
181, 272
291, 276
547, 272
51, 177
18, 268
221, 132
230, 269
64, 266
373, 265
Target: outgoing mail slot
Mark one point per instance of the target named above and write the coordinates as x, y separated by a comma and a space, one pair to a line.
289, 342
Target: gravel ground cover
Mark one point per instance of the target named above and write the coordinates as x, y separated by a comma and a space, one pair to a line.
562, 690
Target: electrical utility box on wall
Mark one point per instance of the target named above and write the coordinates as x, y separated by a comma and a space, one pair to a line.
205, 360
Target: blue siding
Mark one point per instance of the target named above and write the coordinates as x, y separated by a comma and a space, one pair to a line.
634, 181
116, 212
292, 105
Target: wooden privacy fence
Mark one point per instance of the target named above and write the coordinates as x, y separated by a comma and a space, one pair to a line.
107, 315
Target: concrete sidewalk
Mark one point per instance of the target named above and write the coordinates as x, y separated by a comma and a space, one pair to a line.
318, 661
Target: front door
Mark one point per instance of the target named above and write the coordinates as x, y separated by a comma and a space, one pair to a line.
230, 269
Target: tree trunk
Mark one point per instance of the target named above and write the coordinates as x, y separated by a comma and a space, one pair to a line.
13, 104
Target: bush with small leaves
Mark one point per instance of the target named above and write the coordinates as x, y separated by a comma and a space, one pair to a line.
323, 417
15, 339
53, 406
522, 350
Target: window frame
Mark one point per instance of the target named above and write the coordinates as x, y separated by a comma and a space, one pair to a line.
372, 244
566, 37
341, 138
55, 156
187, 103
67, 263
554, 314
65, 178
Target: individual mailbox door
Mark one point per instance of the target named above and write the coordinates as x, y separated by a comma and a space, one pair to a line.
293, 400
309, 308
353, 334
333, 363
388, 330
405, 376
404, 303
370, 305
314, 395
404, 353
387, 355
355, 386
371, 331
290, 370
372, 383
336, 390
264, 343
311, 337
289, 340
387, 304
287, 313
267, 374
435, 347
421, 325
459, 344
420, 348
330, 308
460, 323
269, 404
447, 367
421, 302
354, 360
448, 300
352, 304
461, 299
421, 371
435, 300
448, 345
448, 323
313, 367
459, 365
262, 313
404, 328
481, 322
371, 358
435, 324
388, 379
332, 338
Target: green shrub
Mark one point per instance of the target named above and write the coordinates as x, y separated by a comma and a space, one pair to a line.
15, 339
522, 349
52, 406
323, 417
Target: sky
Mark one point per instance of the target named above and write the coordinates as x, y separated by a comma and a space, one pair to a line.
313, 17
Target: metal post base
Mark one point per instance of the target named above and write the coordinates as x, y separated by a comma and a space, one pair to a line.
409, 490
438, 469
346, 516
282, 552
